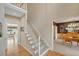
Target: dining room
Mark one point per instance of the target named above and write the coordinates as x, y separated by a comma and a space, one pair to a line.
67, 37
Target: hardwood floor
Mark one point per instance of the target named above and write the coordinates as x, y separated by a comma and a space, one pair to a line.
53, 53
13, 49
20, 51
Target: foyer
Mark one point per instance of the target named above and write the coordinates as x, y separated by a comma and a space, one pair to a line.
34, 29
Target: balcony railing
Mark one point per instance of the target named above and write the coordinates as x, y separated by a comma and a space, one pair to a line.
20, 5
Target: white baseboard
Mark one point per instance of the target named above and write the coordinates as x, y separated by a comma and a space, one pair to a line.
44, 52
27, 49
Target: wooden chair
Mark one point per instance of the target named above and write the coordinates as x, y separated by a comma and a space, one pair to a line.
76, 38
68, 38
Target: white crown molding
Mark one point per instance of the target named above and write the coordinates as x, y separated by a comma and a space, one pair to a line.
67, 20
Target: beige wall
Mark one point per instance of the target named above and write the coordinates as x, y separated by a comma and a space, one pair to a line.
57, 11
39, 16
63, 11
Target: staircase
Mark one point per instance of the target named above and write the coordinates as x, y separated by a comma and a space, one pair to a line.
38, 46
20, 5
43, 47
34, 46
33, 38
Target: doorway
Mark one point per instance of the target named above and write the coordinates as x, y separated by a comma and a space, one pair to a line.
12, 40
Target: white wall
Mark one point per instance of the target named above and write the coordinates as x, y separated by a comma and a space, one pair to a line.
41, 15
3, 41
